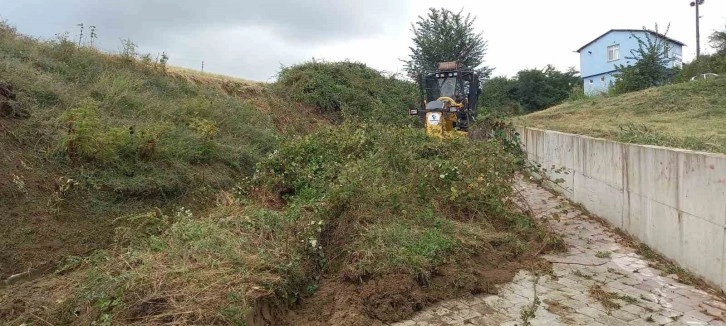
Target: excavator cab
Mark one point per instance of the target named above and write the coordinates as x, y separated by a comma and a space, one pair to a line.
448, 100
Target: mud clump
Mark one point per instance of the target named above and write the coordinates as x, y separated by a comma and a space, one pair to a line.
9, 107
148, 308
394, 297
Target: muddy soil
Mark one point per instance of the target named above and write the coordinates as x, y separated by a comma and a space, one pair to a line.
395, 297
32, 301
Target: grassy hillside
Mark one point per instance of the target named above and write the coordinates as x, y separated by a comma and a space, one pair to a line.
97, 136
690, 115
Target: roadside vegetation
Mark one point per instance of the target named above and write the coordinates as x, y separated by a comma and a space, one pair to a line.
708, 63
529, 91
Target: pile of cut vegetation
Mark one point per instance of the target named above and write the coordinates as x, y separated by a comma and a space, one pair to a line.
353, 225
689, 115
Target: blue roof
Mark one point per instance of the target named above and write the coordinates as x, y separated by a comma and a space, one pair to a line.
632, 31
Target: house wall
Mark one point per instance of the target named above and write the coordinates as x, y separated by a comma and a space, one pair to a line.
672, 200
598, 85
594, 58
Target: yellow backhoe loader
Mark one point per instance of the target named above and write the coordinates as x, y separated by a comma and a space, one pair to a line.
448, 100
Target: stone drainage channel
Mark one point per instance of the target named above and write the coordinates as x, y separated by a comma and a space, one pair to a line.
598, 281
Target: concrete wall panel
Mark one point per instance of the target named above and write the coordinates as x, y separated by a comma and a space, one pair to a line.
653, 172
670, 199
558, 159
702, 243
600, 159
598, 196
534, 143
702, 186
660, 227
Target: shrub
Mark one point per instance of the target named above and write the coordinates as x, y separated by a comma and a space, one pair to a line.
577, 93
87, 137
343, 90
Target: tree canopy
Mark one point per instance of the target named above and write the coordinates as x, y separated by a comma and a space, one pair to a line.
651, 67
443, 35
718, 41
708, 63
530, 90
540, 89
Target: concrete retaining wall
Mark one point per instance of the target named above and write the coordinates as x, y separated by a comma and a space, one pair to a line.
672, 200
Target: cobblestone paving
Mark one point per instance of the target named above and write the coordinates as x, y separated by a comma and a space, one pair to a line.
595, 265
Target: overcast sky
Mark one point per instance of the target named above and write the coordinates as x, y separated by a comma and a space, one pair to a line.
251, 39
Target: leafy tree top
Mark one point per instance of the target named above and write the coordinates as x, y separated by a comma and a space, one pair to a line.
652, 63
718, 41
443, 35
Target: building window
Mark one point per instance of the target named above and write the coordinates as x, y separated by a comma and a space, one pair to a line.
591, 81
602, 80
614, 52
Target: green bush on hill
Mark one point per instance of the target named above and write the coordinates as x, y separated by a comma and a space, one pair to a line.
530, 90
346, 90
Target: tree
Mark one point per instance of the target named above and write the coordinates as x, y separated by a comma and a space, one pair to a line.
539, 89
530, 90
445, 36
651, 66
498, 95
707, 63
718, 41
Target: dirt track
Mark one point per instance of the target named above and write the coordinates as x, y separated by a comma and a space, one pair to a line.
598, 281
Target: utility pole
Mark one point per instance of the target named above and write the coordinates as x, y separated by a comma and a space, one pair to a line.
697, 3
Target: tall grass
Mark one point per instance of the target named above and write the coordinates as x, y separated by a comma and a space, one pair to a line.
130, 124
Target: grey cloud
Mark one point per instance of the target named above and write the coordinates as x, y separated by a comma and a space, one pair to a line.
248, 38
256, 58
291, 20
